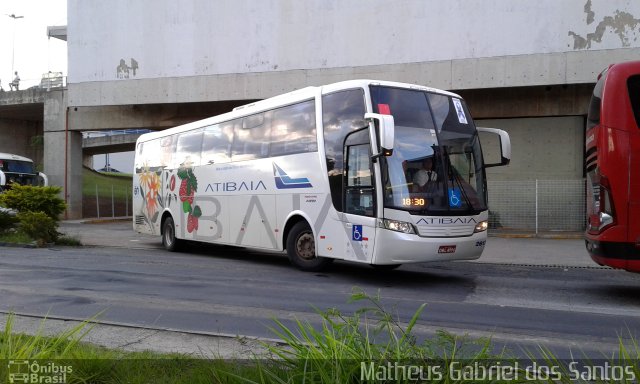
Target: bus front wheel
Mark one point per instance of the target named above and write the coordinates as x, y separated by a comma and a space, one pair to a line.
169, 240
301, 249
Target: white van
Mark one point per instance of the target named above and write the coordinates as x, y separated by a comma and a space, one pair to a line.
19, 169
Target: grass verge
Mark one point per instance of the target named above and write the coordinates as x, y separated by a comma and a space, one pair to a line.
15, 238
120, 183
369, 346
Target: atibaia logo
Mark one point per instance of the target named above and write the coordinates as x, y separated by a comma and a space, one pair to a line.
283, 181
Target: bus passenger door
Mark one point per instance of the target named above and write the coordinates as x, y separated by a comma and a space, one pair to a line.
359, 194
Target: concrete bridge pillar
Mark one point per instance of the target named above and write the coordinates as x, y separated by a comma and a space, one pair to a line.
87, 161
63, 152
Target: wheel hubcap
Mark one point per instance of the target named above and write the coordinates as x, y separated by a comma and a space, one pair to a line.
306, 246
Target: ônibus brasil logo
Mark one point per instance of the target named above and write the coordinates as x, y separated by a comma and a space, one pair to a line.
32, 372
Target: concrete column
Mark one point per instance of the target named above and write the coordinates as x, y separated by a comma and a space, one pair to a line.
63, 153
87, 161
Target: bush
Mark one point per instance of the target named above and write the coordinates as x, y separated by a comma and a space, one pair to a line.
28, 198
39, 226
7, 220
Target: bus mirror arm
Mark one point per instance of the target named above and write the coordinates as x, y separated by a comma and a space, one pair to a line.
386, 129
45, 179
505, 146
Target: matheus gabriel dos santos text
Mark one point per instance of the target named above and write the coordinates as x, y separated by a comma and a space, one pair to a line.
502, 371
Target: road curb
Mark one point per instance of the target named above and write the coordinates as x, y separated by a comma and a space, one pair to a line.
18, 245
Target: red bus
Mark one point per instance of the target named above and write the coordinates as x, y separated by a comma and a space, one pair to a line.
612, 160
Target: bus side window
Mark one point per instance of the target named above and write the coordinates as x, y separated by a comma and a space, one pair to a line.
167, 150
342, 113
150, 158
216, 143
359, 188
188, 148
251, 139
293, 129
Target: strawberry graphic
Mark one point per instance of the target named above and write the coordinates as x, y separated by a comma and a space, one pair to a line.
186, 193
192, 223
192, 219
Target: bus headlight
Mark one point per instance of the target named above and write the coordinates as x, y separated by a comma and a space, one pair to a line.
398, 226
481, 226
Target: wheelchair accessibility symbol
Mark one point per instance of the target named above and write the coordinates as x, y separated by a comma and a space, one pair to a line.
455, 200
356, 233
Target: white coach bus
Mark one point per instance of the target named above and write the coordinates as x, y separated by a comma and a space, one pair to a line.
19, 170
331, 172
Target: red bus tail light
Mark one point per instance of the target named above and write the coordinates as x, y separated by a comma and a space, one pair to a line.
603, 214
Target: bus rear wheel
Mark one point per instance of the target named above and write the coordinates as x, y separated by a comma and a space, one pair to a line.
301, 249
169, 240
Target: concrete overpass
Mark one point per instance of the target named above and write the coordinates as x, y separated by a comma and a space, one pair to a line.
109, 144
37, 123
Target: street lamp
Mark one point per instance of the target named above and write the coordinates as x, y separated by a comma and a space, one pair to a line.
13, 44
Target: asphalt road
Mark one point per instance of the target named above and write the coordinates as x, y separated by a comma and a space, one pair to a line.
231, 291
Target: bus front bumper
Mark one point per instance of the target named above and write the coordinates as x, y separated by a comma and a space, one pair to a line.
401, 248
618, 255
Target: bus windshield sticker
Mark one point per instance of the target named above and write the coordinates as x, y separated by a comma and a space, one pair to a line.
384, 109
455, 199
461, 116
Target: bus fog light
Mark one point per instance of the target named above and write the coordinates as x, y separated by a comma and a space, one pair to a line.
398, 226
481, 226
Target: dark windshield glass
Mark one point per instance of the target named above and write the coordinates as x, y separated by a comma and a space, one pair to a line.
593, 115
436, 166
16, 166
634, 96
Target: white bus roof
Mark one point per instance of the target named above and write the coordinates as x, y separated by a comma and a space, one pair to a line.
284, 99
11, 156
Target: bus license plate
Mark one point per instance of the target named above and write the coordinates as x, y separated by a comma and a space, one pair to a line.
447, 249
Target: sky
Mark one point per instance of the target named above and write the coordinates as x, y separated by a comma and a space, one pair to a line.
35, 53
30, 50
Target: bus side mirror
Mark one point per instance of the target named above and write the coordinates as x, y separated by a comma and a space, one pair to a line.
43, 180
505, 146
386, 129
3, 180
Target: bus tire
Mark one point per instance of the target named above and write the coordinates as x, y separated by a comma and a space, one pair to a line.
301, 249
169, 240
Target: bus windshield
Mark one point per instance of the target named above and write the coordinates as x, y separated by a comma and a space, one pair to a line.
436, 167
16, 166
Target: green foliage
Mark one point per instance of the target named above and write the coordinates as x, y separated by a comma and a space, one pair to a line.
7, 221
334, 353
119, 183
22, 347
372, 336
39, 226
28, 198
68, 240
15, 237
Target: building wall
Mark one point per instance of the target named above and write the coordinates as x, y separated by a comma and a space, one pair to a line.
548, 148
165, 38
24, 138
162, 51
